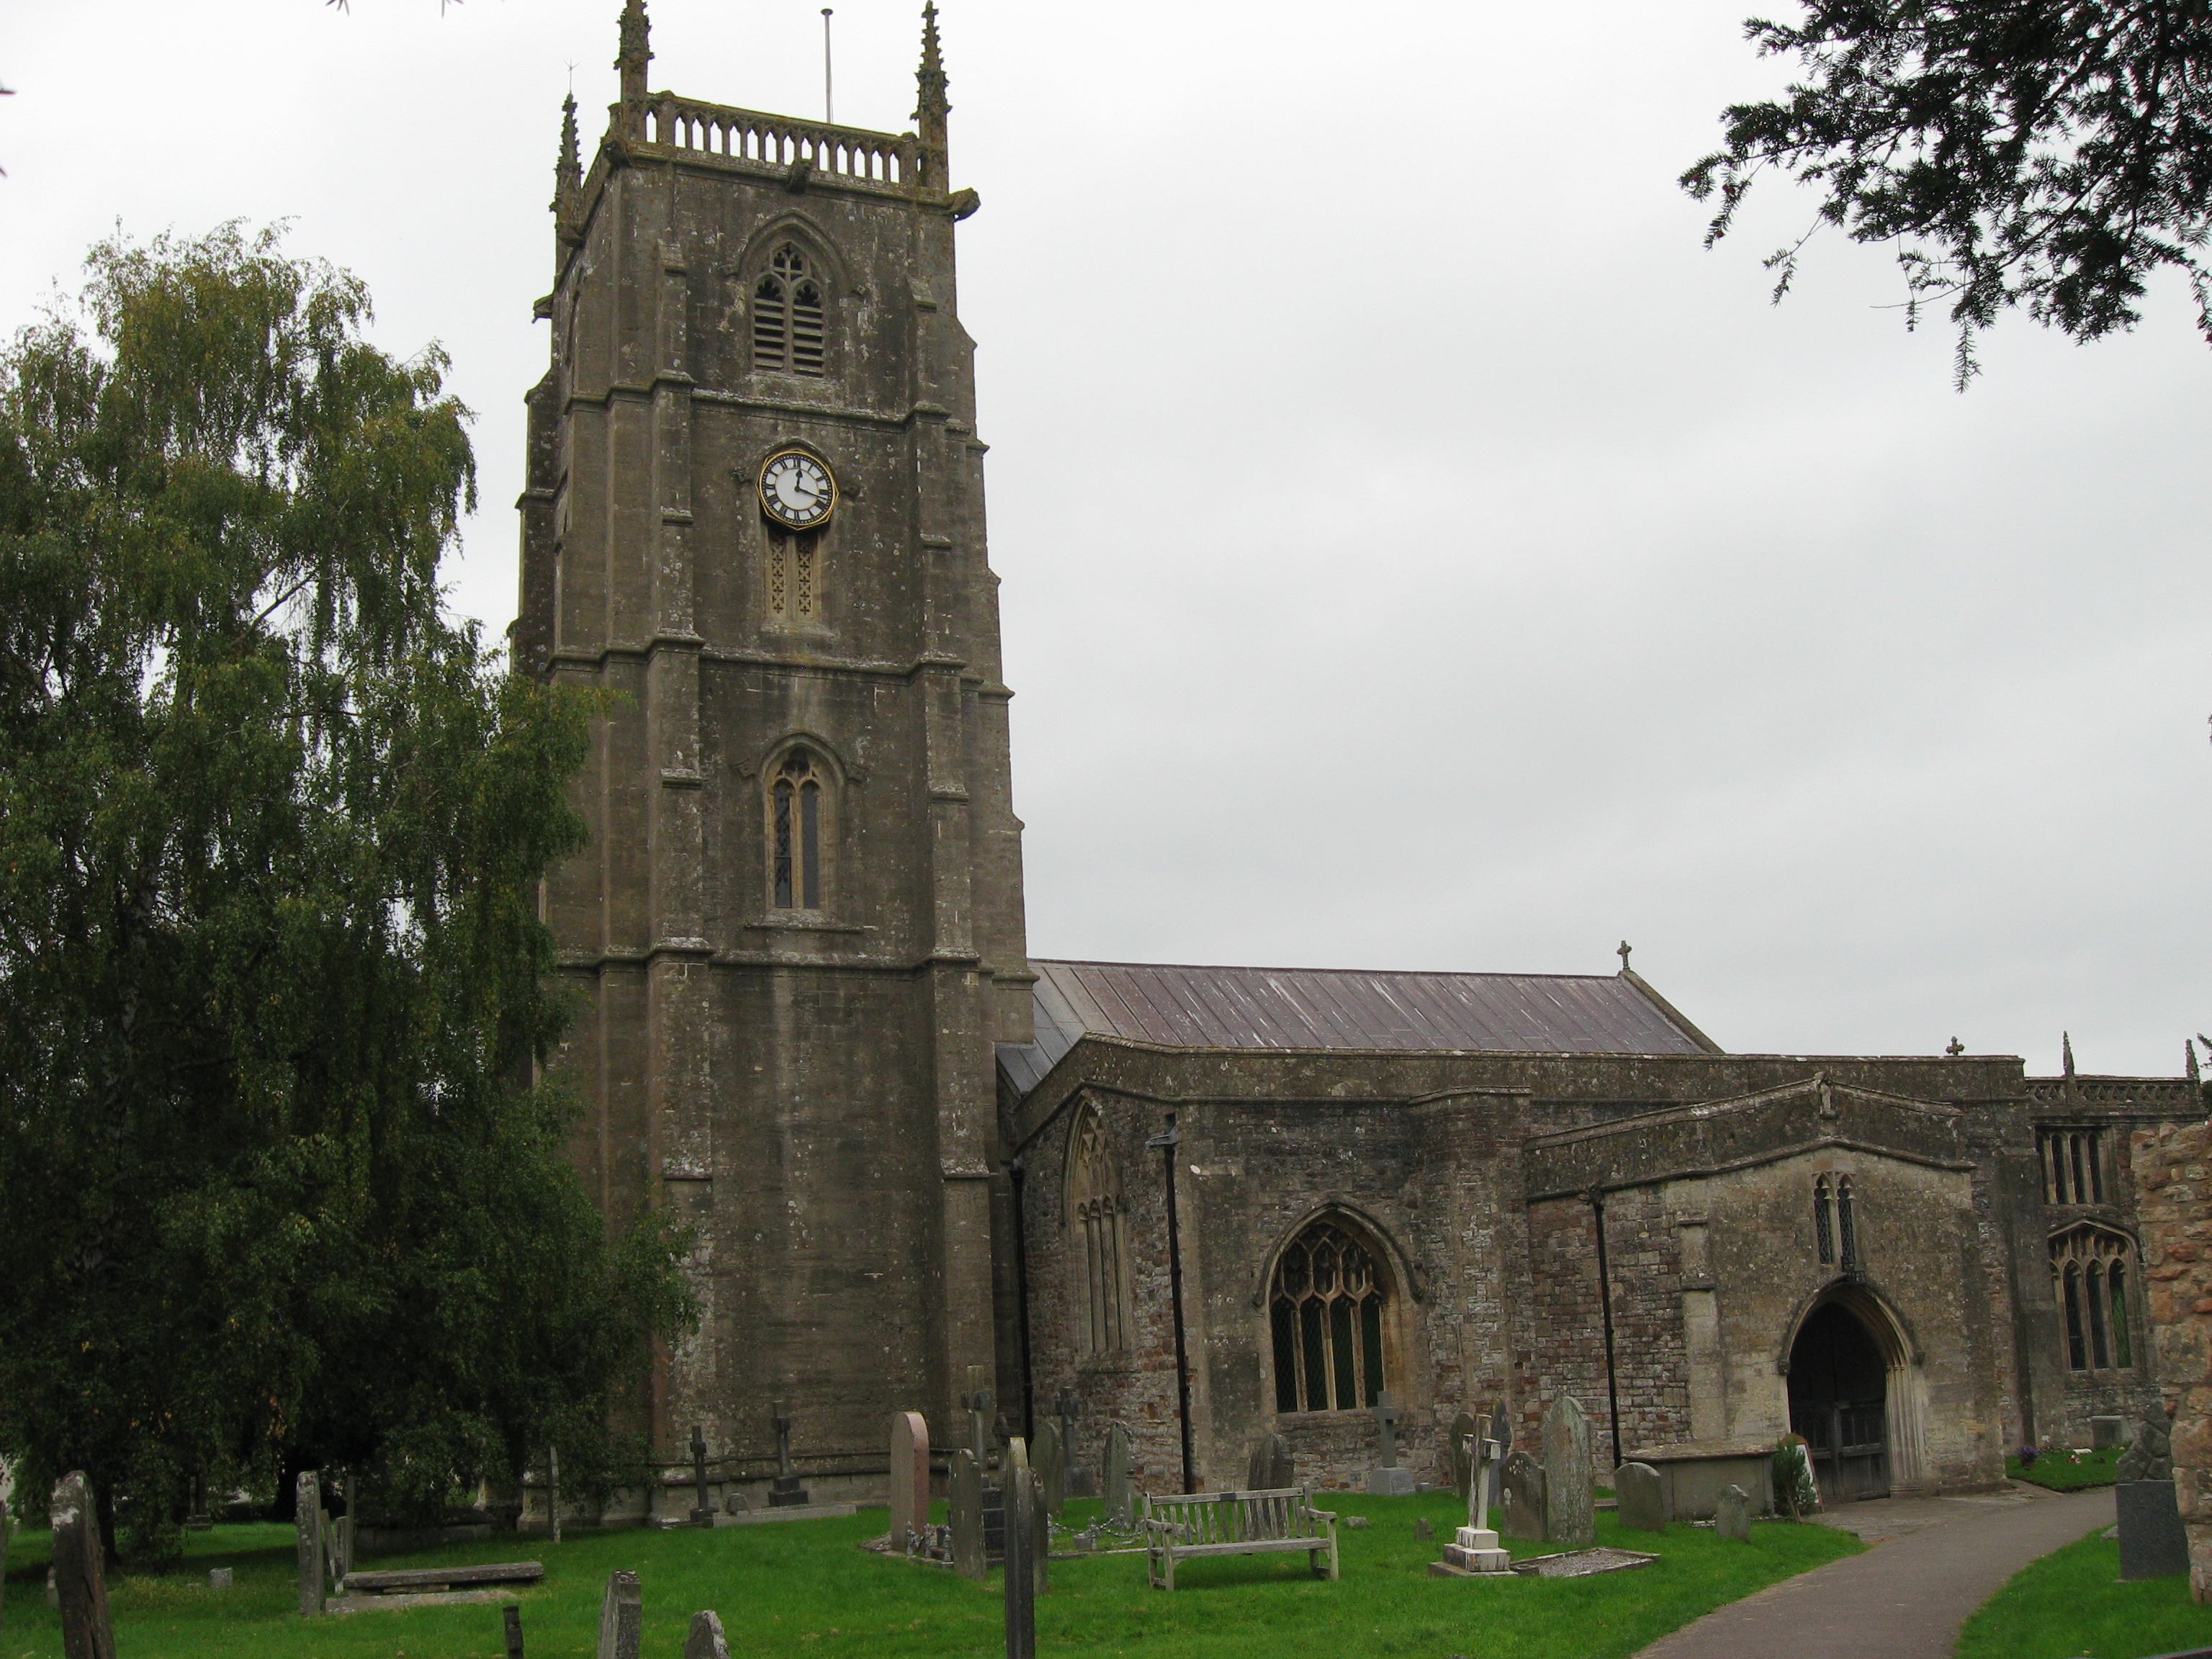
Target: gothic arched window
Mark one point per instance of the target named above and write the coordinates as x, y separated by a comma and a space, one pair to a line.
1824, 1221
797, 807
1847, 1225
1095, 1210
790, 331
2089, 1281
1326, 1305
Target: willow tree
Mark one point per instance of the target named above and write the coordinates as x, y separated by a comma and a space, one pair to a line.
282, 1187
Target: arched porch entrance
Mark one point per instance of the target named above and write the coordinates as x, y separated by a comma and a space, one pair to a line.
1839, 1402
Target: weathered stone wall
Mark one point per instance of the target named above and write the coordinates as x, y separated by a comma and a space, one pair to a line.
2172, 1169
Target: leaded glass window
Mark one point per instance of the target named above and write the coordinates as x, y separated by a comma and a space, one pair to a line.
2089, 1282
795, 830
1326, 1307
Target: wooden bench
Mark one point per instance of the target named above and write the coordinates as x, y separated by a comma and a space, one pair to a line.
1236, 1523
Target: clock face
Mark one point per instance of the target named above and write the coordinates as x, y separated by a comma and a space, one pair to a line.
796, 491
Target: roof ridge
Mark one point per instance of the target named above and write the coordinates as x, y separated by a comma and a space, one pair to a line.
1261, 968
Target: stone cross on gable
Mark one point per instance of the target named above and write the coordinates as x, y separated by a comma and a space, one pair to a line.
1386, 1420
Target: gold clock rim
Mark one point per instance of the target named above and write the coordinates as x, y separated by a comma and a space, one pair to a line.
767, 502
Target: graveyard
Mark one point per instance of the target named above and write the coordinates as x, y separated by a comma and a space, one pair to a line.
810, 1587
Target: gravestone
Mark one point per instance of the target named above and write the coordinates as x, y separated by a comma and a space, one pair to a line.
1049, 1465
1524, 1498
1387, 1477
702, 1509
309, 1519
345, 1533
1022, 1566
784, 1492
910, 1479
2151, 1455
1732, 1515
4, 1564
2106, 1431
1115, 1478
1422, 1529
1643, 1497
2152, 1542
964, 1487
79, 1571
705, 1640
621, 1618
1082, 1482
553, 1490
219, 1578
1458, 1447
977, 1401
1568, 1519
1270, 1467
512, 1617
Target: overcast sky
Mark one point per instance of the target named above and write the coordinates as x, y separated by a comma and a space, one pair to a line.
1418, 553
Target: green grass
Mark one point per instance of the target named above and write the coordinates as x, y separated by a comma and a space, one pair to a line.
2063, 1471
2072, 1603
803, 1587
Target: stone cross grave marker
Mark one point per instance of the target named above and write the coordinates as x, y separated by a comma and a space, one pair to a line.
1523, 1502
1049, 1464
703, 1508
1271, 1468
1388, 1477
706, 1639
1731, 1514
622, 1617
1641, 1498
308, 1498
977, 1403
964, 1487
1568, 1518
785, 1492
909, 1479
1115, 1478
79, 1573
2152, 1542
1474, 1552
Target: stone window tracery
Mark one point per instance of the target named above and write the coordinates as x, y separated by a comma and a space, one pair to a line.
1824, 1221
1095, 1211
797, 806
1326, 1306
1847, 1226
2089, 1281
790, 329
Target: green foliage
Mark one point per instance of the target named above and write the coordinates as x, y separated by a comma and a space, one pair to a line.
804, 1587
2065, 1471
2072, 1603
272, 985
1795, 1488
2048, 154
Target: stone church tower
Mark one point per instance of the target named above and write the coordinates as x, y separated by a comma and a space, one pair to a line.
755, 515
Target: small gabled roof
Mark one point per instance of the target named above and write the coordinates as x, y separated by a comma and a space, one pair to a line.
1188, 1008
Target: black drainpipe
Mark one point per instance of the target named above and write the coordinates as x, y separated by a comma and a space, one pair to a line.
1596, 1196
1168, 1140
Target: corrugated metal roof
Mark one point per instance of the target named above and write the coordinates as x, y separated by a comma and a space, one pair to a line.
1342, 1008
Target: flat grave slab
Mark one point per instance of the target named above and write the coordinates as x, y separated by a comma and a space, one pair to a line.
1581, 1564
441, 1578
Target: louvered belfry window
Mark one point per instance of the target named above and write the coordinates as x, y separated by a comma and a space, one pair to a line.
1327, 1309
790, 332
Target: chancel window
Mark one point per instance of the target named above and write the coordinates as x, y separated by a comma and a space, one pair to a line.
1327, 1308
2089, 1281
795, 814
2072, 1165
789, 328
1095, 1211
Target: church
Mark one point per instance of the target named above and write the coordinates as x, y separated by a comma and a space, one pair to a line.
1211, 1203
